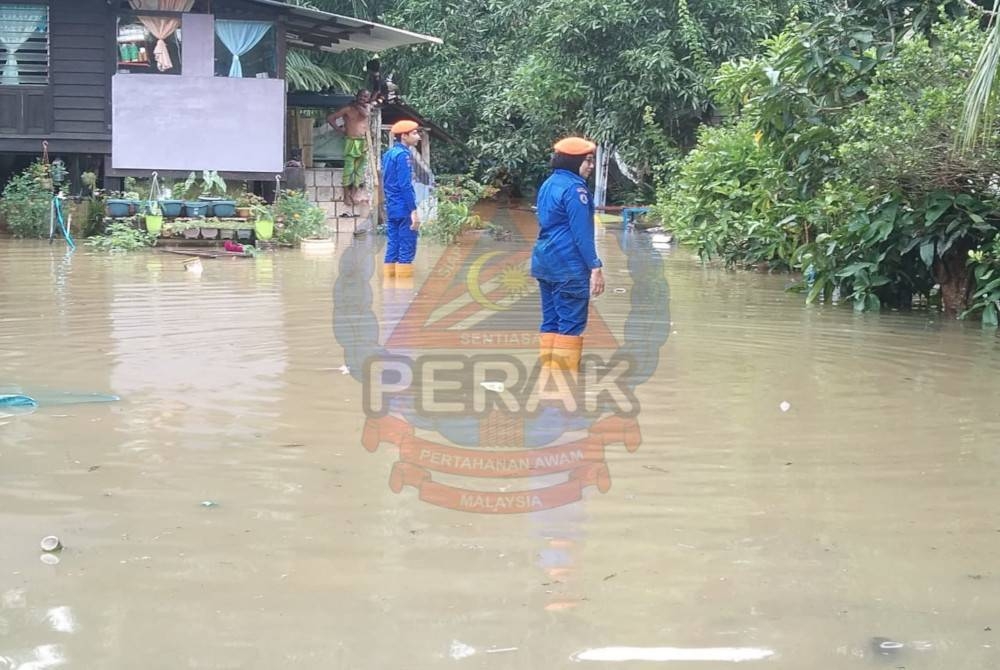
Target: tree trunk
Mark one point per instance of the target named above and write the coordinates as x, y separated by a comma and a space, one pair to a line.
952, 273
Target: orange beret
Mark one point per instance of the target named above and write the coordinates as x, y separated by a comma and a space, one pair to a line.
403, 127
575, 146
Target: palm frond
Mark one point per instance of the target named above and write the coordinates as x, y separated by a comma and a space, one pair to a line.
356, 8
979, 100
304, 74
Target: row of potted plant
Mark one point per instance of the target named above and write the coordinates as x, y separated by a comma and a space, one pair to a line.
196, 197
293, 216
209, 228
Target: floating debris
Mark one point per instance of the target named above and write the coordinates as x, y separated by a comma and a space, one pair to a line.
460, 650
785, 405
884, 646
51, 543
496, 387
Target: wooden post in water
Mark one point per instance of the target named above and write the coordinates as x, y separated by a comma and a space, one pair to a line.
601, 175
304, 130
425, 147
374, 154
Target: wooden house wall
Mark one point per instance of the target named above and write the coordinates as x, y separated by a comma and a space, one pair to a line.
73, 112
81, 55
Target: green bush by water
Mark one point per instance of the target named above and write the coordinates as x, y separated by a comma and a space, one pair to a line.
840, 161
27, 202
122, 237
456, 196
300, 218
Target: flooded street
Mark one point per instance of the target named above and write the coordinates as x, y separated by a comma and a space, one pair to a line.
813, 488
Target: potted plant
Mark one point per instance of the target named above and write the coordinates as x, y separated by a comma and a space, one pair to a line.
117, 208
172, 204
89, 181
210, 184
187, 227
245, 203
213, 191
211, 231
154, 218
263, 224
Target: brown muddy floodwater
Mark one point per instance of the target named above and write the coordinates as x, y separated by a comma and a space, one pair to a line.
811, 488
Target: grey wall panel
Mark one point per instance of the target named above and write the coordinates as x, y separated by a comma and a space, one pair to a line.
197, 123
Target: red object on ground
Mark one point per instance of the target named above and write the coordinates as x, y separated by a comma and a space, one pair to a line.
233, 246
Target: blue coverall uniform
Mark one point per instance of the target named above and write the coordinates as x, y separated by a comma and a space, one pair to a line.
400, 203
564, 254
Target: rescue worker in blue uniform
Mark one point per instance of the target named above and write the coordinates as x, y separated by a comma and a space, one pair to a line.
400, 201
564, 259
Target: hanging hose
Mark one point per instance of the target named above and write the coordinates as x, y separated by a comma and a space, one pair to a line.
57, 208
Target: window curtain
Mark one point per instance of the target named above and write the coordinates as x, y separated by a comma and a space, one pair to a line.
162, 27
17, 24
239, 37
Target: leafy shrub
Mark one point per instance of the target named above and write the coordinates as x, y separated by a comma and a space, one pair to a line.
729, 199
456, 197
985, 262
27, 202
96, 208
122, 237
930, 204
296, 217
866, 194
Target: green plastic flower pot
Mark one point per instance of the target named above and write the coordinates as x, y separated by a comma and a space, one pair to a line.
264, 228
154, 223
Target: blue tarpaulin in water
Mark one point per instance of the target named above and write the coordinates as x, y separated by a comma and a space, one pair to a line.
12, 398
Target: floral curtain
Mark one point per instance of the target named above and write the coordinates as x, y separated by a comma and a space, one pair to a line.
162, 27
17, 24
239, 37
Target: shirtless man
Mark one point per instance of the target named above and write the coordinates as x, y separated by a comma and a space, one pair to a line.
356, 116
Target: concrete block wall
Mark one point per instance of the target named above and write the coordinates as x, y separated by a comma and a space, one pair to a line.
323, 187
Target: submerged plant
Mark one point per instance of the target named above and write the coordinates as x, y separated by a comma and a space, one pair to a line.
454, 216
122, 237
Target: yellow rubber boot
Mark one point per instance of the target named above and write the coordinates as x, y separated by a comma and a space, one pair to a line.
389, 270
566, 353
404, 275
562, 376
545, 342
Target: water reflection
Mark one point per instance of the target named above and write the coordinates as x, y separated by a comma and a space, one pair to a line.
202, 352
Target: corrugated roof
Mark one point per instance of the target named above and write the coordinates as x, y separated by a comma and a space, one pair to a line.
309, 28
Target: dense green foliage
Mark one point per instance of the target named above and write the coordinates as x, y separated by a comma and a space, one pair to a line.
842, 162
27, 200
514, 75
296, 217
121, 236
456, 196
